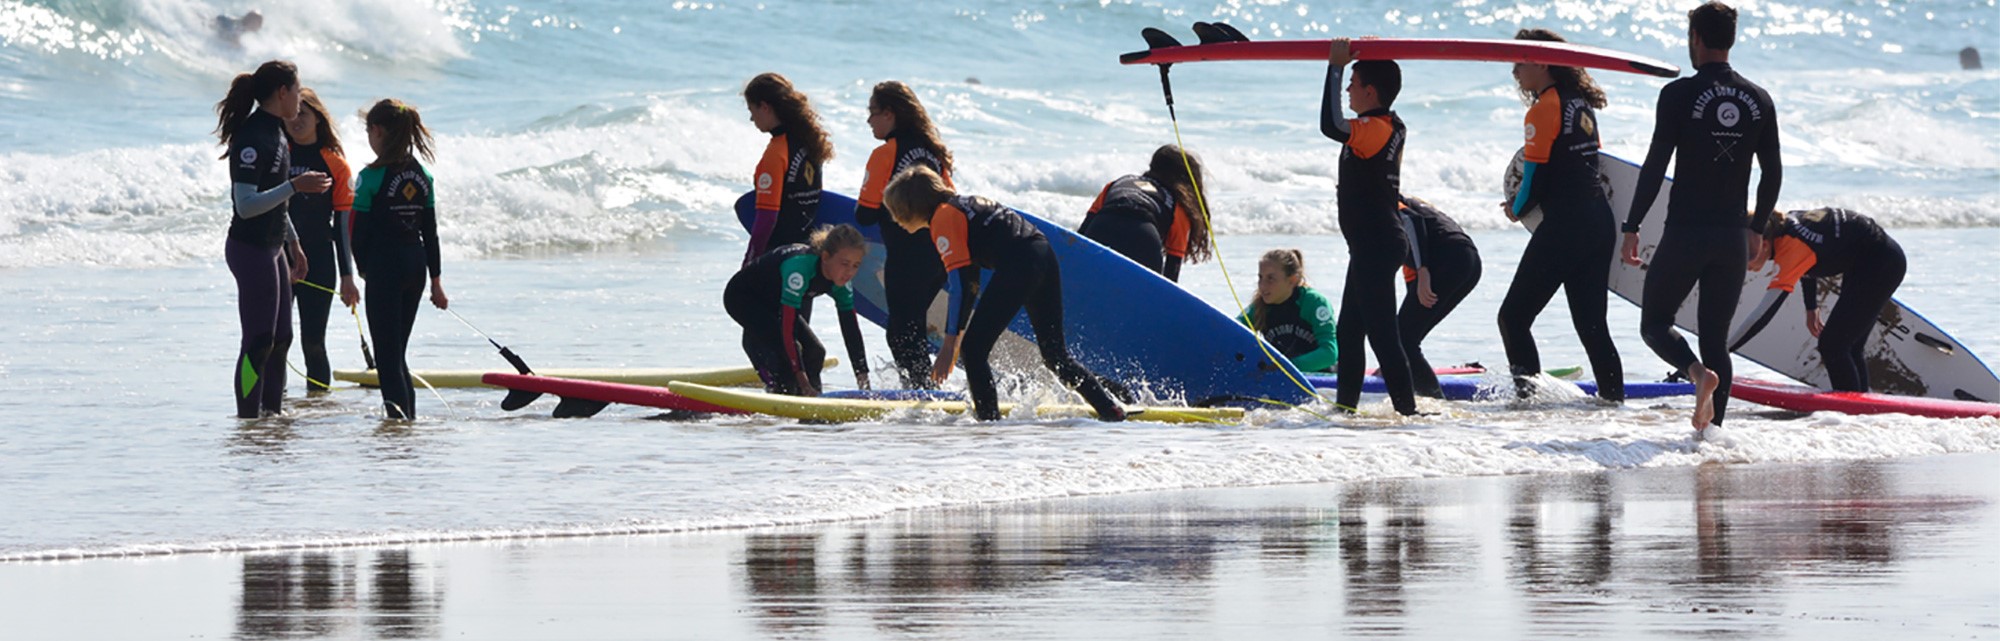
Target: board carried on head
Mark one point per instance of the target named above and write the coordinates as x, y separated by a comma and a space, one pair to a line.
1221, 42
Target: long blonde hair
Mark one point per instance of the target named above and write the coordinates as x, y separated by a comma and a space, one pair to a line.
1293, 262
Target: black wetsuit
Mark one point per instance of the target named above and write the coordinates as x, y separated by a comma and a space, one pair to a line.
1713, 124
1139, 218
396, 249
772, 299
973, 233
260, 156
911, 274
1371, 159
326, 251
788, 187
1829, 243
1573, 247
1437, 243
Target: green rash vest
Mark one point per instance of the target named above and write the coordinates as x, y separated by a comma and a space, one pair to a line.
1301, 328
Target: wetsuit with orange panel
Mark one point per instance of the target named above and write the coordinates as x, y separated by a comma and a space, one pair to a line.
973, 233
1371, 160
788, 185
1573, 246
319, 219
1439, 245
911, 274
1139, 218
1829, 243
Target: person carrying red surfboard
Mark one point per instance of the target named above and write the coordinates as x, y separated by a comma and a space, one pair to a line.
1827, 243
1573, 245
971, 234
1715, 122
1371, 160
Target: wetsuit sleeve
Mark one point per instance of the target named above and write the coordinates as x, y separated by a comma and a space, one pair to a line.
949, 229
1543, 124
1331, 124
433, 254
881, 167
787, 316
1666, 130
1772, 165
1414, 258
343, 204
1370, 136
794, 276
770, 183
1178, 232
358, 233
251, 203
1774, 299
961, 292
1098, 204
1323, 357
249, 161
850, 332
1794, 259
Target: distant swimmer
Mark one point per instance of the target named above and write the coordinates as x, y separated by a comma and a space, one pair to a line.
1712, 125
1154, 218
1573, 246
321, 221
771, 298
263, 248
973, 234
1829, 243
911, 273
1968, 59
231, 30
396, 244
1441, 268
1293, 317
787, 179
1371, 161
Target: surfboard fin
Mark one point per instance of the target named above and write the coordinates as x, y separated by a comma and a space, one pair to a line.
1933, 343
517, 399
579, 407
1157, 39
1218, 32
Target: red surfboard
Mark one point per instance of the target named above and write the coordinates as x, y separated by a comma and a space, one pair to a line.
582, 398
1490, 50
1800, 398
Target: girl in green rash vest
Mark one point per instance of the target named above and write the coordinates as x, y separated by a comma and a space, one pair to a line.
396, 244
772, 299
1293, 317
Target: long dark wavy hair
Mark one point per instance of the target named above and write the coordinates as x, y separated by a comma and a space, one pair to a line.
309, 100
911, 117
245, 91
403, 132
794, 111
1570, 78
1167, 167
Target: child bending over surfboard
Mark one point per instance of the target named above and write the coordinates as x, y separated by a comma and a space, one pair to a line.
772, 299
1291, 316
1371, 159
1153, 218
1441, 269
1575, 241
973, 233
787, 181
396, 244
1827, 243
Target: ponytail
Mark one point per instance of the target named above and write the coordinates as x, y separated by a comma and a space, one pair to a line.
248, 89
403, 132
794, 112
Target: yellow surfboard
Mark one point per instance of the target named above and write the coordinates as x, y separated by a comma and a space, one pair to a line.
844, 410
655, 377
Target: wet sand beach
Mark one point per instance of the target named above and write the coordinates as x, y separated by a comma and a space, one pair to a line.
1847, 550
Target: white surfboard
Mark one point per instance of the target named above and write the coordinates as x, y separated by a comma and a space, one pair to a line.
1907, 354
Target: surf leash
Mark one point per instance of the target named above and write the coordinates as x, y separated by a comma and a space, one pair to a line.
367, 355
520, 366
1201, 204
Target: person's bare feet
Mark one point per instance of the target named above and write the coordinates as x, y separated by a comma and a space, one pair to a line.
1705, 383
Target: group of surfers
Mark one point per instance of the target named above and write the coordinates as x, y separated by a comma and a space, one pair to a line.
294, 210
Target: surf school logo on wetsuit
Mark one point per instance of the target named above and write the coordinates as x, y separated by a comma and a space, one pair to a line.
1728, 114
795, 283
249, 155
763, 181
944, 246
1324, 314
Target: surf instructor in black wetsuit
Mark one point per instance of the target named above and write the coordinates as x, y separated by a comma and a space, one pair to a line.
1714, 122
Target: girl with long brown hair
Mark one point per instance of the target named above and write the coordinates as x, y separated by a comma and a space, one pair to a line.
396, 243
911, 273
320, 219
788, 177
1154, 218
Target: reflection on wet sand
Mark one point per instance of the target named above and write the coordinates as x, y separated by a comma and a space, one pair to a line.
309, 595
1576, 560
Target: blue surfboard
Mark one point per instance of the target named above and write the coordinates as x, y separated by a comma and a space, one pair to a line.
1120, 319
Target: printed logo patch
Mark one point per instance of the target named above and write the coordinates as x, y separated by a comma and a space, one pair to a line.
409, 191
249, 155
1325, 314
763, 181
1728, 114
1589, 125
796, 283
943, 246
1531, 131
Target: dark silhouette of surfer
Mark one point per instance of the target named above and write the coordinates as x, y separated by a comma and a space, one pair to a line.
231, 30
